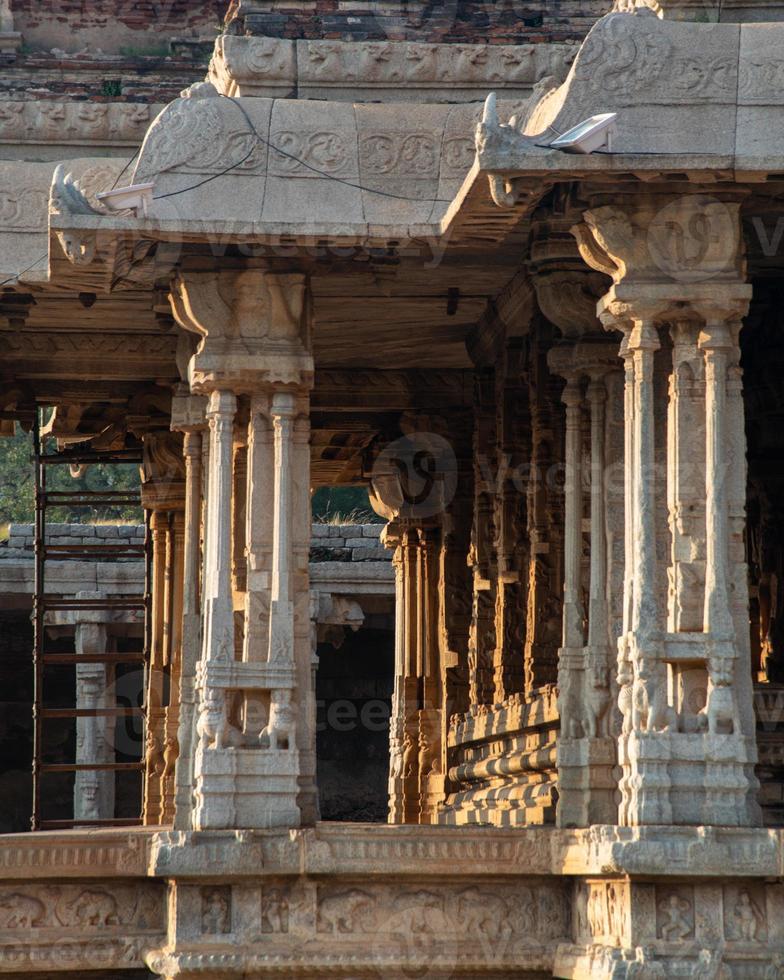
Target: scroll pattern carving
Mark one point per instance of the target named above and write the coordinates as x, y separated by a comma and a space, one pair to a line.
410, 154
618, 57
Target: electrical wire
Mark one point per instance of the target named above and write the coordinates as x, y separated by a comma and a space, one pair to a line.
120, 174
24, 271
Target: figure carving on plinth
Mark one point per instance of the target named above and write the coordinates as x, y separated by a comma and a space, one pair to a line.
676, 924
747, 918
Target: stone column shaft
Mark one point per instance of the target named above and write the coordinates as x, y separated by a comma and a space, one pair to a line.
574, 613
644, 341
628, 485
191, 629
718, 621
93, 791
259, 525
219, 612
597, 609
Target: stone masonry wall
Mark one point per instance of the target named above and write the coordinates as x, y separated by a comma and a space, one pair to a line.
330, 542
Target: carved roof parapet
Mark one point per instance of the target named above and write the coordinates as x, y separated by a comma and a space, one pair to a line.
356, 70
695, 102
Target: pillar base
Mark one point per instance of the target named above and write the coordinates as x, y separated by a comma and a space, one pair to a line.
254, 789
688, 779
586, 784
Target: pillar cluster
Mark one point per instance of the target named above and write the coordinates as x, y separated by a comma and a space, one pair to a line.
686, 746
247, 722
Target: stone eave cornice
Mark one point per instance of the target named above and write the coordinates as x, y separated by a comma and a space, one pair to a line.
105, 251
497, 194
378, 849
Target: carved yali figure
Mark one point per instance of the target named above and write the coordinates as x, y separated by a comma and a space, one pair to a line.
213, 726
280, 730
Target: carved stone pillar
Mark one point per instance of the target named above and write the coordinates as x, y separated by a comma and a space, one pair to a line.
254, 764
417, 744
163, 495
93, 791
188, 416
482, 556
513, 438
393, 538
586, 752
543, 619
687, 746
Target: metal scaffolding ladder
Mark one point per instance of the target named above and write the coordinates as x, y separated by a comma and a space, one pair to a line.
45, 602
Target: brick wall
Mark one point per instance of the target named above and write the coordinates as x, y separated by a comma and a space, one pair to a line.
446, 21
115, 25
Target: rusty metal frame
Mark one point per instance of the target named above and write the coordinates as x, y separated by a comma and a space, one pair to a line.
43, 603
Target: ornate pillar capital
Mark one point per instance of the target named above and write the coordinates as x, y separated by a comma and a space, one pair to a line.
253, 325
567, 291
188, 411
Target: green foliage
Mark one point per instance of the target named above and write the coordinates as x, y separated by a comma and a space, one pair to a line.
343, 505
331, 505
112, 87
17, 486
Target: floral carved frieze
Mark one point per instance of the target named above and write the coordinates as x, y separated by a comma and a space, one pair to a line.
332, 153
258, 65
405, 154
74, 122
